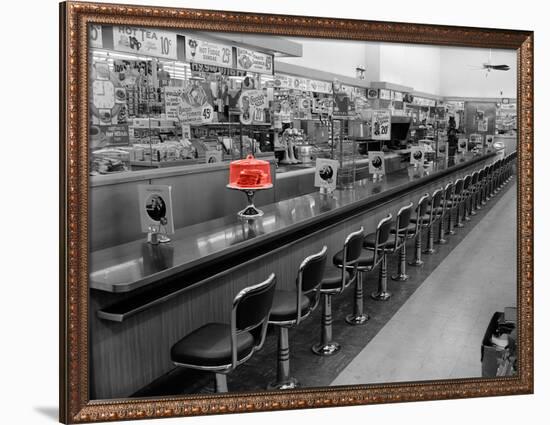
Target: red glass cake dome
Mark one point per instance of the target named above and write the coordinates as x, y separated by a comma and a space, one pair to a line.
250, 173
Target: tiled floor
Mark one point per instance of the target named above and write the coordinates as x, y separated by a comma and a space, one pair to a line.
438, 331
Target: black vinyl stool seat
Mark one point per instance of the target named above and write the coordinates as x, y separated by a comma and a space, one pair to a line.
446, 205
435, 214
402, 230
384, 243
221, 347
291, 307
421, 221
331, 285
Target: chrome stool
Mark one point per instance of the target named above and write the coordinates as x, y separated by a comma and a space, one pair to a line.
464, 197
335, 280
291, 307
221, 347
447, 201
455, 206
418, 221
403, 230
435, 212
376, 252
473, 193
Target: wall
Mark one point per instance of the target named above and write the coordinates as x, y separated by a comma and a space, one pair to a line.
411, 65
458, 78
342, 58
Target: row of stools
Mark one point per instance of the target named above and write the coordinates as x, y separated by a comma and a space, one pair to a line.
221, 347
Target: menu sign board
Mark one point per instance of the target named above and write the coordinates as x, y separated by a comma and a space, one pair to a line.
155, 208
207, 52
377, 165
145, 41
381, 125
326, 171
250, 60
417, 156
96, 36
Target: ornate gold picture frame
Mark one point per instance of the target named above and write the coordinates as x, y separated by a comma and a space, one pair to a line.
75, 18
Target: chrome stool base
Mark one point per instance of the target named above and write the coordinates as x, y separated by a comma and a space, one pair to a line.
441, 241
429, 251
327, 349
416, 263
467, 219
400, 277
460, 225
381, 296
288, 385
356, 320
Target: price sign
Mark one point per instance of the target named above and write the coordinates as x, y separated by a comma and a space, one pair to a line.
381, 125
146, 41
207, 52
96, 36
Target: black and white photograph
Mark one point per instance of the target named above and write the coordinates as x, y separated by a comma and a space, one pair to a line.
406, 272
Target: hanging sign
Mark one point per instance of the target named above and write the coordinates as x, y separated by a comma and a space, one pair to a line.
283, 81
325, 173
215, 69
381, 125
145, 41
96, 36
385, 94
377, 165
155, 208
417, 156
319, 86
207, 52
250, 60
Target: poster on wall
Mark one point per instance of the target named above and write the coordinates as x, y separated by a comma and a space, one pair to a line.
377, 165
325, 173
207, 52
155, 208
381, 125
250, 60
145, 41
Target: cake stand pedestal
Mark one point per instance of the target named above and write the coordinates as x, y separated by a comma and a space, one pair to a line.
250, 211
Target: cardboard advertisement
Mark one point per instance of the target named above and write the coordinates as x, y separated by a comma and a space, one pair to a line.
188, 105
155, 208
417, 156
250, 60
326, 171
377, 164
207, 52
462, 145
381, 125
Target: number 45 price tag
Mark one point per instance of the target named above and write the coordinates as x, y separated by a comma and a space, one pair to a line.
207, 113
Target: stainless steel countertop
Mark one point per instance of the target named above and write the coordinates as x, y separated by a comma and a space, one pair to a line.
136, 264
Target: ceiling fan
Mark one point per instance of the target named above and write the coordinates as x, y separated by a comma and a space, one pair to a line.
488, 66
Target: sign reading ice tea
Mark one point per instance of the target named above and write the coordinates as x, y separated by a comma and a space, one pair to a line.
145, 41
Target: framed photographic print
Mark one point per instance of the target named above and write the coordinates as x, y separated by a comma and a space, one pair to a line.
233, 284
